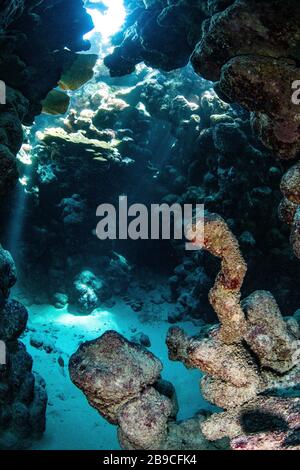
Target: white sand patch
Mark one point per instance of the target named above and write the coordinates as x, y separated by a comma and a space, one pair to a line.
71, 422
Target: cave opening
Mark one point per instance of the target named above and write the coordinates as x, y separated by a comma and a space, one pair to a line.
119, 99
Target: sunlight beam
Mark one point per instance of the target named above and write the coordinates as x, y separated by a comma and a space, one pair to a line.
109, 22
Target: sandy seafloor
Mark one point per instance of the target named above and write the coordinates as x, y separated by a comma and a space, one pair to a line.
72, 424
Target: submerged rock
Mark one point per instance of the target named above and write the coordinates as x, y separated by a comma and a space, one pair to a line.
262, 360
122, 381
86, 291
23, 395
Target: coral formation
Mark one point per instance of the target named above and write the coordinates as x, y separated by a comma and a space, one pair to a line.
168, 135
32, 61
255, 67
9, 10
225, 294
257, 70
122, 381
289, 208
86, 293
150, 32
116, 135
119, 379
246, 368
263, 358
23, 396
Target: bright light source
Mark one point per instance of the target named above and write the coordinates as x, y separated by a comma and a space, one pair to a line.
109, 22
98, 320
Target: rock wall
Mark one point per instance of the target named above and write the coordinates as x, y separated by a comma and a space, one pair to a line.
34, 36
249, 48
23, 397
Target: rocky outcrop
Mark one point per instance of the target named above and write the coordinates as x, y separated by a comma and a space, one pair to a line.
289, 209
161, 34
264, 424
122, 381
248, 47
23, 398
250, 50
119, 379
10, 9
225, 294
261, 358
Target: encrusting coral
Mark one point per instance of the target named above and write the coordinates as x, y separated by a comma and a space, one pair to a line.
263, 359
251, 364
257, 69
249, 48
289, 210
122, 381
225, 294
119, 379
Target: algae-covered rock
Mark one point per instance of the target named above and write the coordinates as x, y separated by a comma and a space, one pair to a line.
111, 372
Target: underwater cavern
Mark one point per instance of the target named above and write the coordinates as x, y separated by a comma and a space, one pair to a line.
113, 336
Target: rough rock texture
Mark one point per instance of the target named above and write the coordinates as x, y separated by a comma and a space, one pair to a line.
11, 135
109, 388
86, 292
8, 274
267, 333
23, 398
257, 68
295, 233
187, 435
290, 184
249, 48
143, 421
251, 68
150, 32
264, 359
289, 209
118, 378
114, 136
263, 424
225, 294
122, 381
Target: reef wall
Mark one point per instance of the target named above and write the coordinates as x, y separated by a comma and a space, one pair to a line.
32, 58
248, 48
